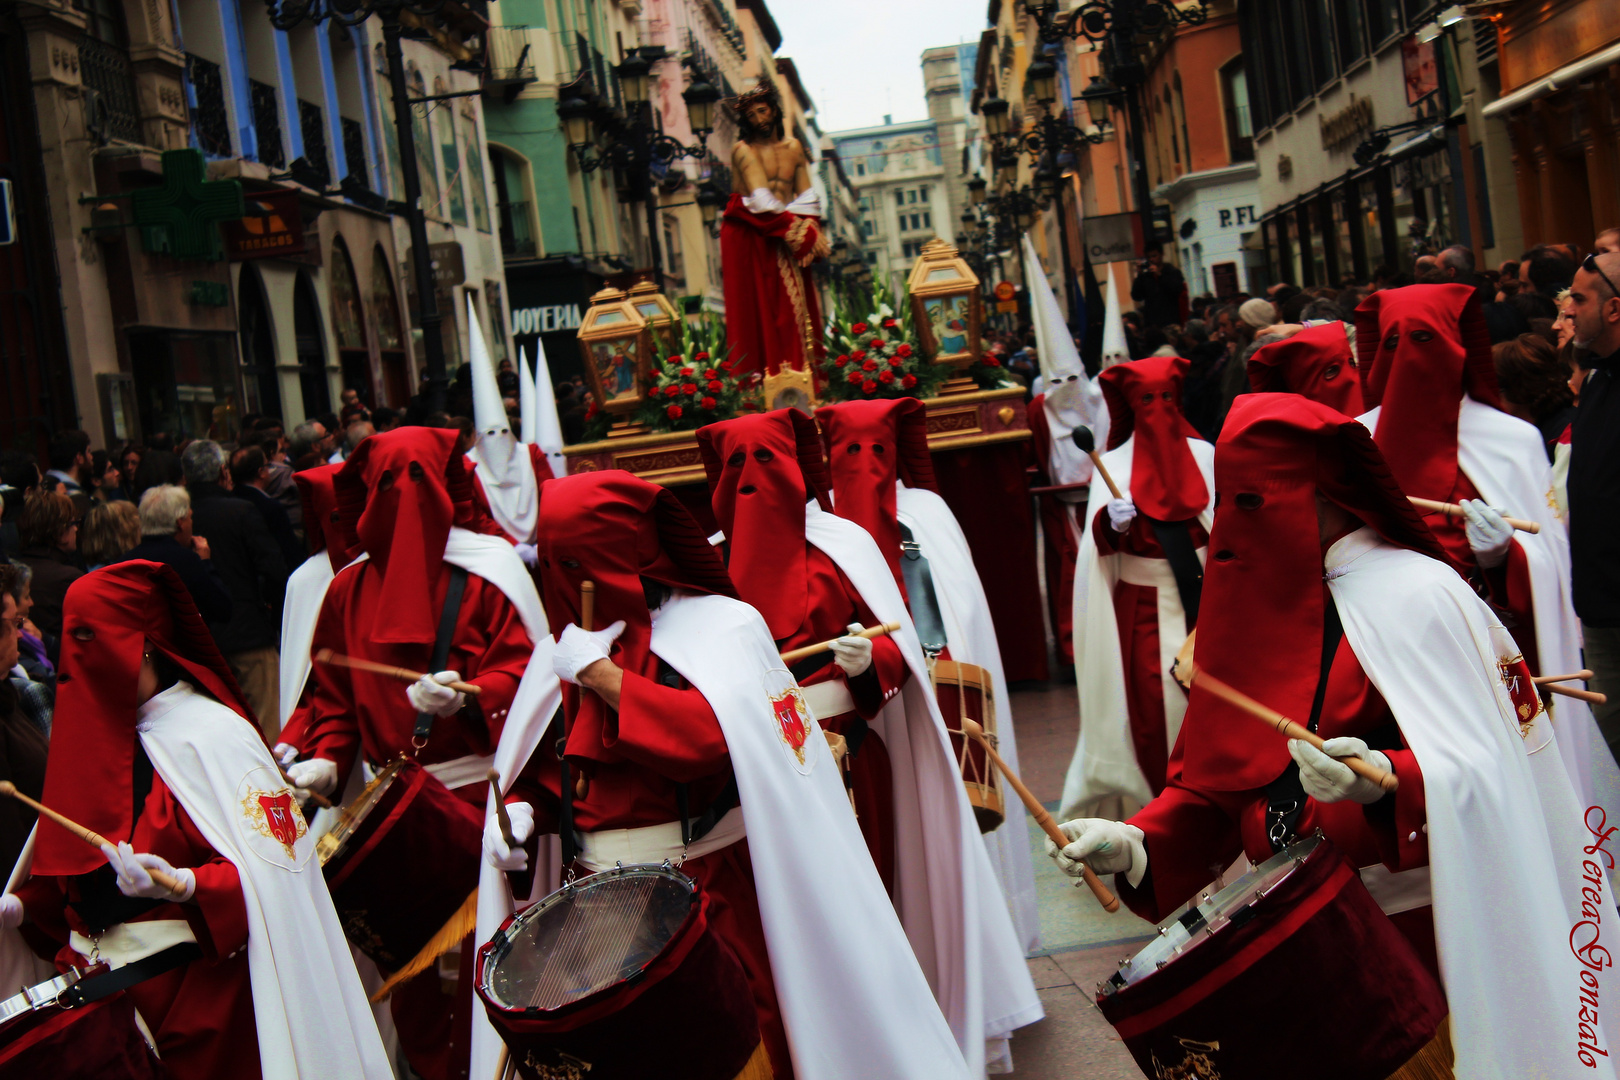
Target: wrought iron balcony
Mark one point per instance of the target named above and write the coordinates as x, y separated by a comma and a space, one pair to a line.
267, 124
104, 69
210, 124
312, 124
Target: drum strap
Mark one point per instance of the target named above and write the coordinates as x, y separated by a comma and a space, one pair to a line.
920, 594
441, 644
106, 985
1175, 538
1285, 796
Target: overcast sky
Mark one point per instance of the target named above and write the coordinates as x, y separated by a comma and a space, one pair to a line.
862, 58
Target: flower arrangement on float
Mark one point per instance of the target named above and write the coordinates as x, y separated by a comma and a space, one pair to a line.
878, 356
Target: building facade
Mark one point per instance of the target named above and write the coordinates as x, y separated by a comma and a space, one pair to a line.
948, 88
899, 177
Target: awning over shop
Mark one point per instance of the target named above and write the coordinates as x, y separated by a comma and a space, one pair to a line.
1562, 79
1422, 143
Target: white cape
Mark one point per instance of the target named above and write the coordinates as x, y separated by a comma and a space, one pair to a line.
945, 890
1505, 830
1104, 778
1504, 458
301, 610
972, 637
854, 1000
312, 1015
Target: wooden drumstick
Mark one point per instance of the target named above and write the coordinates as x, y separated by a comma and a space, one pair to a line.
320, 800
793, 656
1087, 442
1105, 896
500, 809
1591, 697
587, 604
1453, 510
1233, 696
1582, 675
89, 836
337, 659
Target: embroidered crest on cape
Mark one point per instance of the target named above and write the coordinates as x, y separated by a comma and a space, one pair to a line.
791, 720
1521, 690
1197, 1062
272, 823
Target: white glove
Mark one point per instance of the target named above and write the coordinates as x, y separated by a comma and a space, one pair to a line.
285, 754
529, 554
1327, 780
578, 649
317, 774
762, 201
430, 694
11, 912
852, 654
1108, 847
1121, 512
515, 857
135, 880
1488, 534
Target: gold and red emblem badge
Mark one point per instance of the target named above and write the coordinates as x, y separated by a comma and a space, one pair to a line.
1522, 690
792, 720
272, 814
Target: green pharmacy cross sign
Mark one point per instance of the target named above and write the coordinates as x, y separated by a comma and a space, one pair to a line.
181, 216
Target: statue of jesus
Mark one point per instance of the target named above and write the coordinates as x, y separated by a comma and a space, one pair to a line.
769, 235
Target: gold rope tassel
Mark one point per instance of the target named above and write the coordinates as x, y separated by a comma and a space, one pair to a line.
449, 938
1434, 1061
758, 1066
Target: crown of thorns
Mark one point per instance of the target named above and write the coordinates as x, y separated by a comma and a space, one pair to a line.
763, 92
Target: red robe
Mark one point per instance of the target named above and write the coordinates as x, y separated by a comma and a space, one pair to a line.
1136, 611
773, 319
201, 1015
1062, 546
1193, 834
662, 735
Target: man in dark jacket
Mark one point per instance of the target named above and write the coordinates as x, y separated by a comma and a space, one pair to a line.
251, 478
1158, 290
166, 537
254, 572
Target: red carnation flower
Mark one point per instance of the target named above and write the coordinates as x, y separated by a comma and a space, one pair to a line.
870, 365
699, 357
671, 390
877, 343
858, 328
886, 377
707, 403
856, 377
868, 386
715, 386
591, 410
895, 361
726, 365
841, 361
676, 359
889, 324
688, 389
904, 350
992, 361
687, 372
908, 381
858, 354
711, 374
673, 412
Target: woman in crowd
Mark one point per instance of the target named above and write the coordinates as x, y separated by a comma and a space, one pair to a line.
50, 540
110, 530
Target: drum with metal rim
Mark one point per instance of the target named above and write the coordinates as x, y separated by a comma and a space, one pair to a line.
965, 691
41, 1037
618, 976
1231, 987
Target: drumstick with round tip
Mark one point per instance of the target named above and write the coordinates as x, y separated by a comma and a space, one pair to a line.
587, 604
793, 656
337, 659
320, 800
1453, 510
1087, 442
89, 836
1591, 697
1043, 817
1233, 696
1574, 676
500, 808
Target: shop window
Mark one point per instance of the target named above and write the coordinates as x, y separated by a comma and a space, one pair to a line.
256, 336
310, 340
349, 324
390, 338
186, 383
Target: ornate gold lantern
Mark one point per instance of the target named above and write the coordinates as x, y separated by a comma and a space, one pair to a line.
661, 315
946, 306
616, 345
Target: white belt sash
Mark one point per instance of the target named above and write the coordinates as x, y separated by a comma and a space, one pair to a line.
462, 771
828, 699
656, 843
128, 942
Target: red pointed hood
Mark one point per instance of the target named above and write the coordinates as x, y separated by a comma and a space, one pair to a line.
1144, 399
1314, 363
871, 445
1261, 618
762, 470
325, 528
1422, 348
108, 617
404, 489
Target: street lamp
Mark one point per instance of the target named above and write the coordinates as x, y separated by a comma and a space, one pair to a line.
700, 99
575, 114
633, 78
994, 110
1040, 80
1099, 98
976, 188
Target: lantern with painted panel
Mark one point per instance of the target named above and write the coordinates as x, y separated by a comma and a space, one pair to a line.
946, 306
616, 344
662, 317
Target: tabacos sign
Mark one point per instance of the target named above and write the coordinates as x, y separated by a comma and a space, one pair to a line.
543, 320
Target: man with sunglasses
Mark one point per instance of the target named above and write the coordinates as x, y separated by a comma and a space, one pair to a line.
1594, 483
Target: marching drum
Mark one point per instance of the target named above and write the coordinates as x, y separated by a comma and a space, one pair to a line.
1293, 942
618, 976
405, 817
965, 690
43, 1034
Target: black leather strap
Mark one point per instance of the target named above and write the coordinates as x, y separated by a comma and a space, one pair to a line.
106, 985
1285, 796
441, 643
1175, 538
920, 595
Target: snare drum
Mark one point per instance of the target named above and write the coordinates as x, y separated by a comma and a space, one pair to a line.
1231, 988
401, 861
965, 691
39, 1038
619, 976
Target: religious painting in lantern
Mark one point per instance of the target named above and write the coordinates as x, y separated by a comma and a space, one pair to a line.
616, 345
946, 306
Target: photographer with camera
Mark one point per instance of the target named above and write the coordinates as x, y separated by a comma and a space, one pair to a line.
1159, 290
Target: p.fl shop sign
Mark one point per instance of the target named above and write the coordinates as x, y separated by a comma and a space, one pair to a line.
543, 320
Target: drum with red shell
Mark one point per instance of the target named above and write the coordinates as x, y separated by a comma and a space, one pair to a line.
618, 975
39, 1037
966, 691
401, 861
1245, 985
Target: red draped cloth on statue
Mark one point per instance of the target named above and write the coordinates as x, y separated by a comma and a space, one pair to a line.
1062, 546
772, 313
